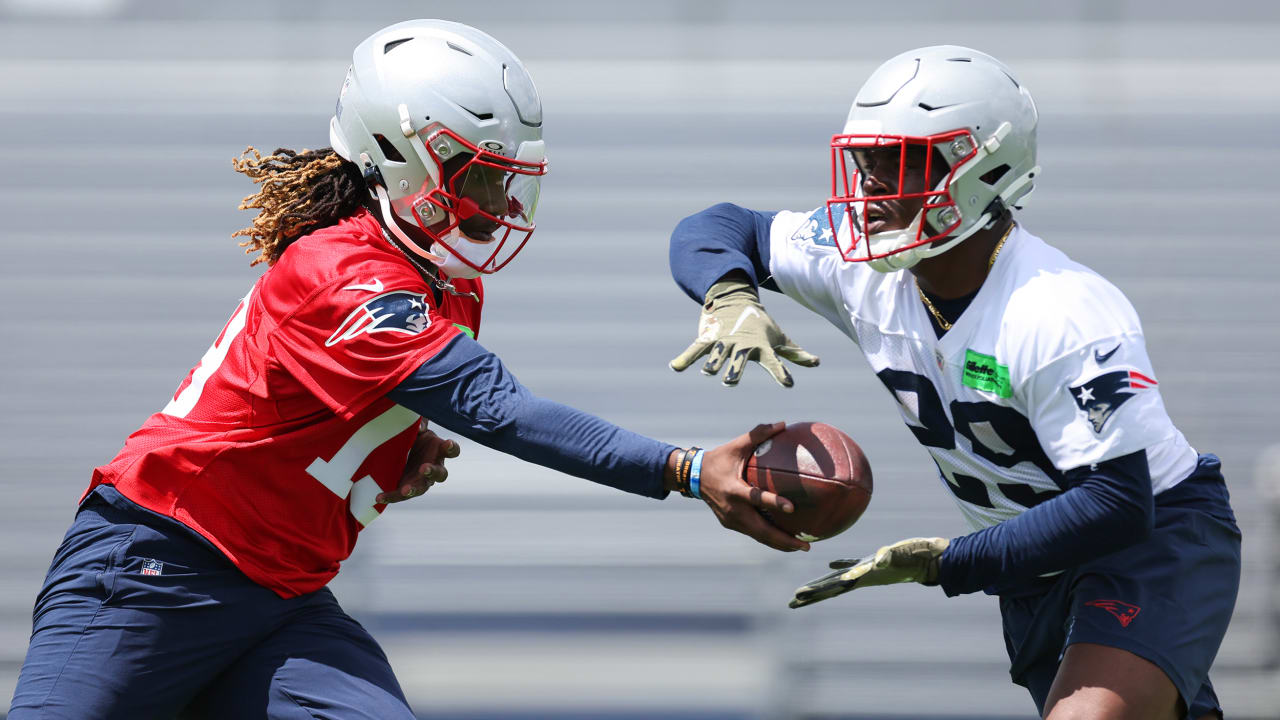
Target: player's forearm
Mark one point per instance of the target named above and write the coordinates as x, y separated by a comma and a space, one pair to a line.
723, 238
468, 390
1105, 510
580, 444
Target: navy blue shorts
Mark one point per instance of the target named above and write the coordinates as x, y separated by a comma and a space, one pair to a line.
1168, 599
141, 618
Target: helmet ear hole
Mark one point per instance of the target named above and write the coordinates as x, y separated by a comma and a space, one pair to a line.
992, 176
389, 151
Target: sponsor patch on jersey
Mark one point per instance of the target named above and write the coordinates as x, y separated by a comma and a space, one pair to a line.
1100, 397
816, 230
1123, 611
982, 372
398, 311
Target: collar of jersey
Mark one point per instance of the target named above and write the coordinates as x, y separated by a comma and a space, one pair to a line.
956, 339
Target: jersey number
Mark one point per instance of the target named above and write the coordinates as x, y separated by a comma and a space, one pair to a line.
998, 434
338, 473
187, 396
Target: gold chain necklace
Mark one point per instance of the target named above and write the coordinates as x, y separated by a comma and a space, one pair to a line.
937, 316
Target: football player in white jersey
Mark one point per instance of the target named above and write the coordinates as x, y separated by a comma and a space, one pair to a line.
1109, 540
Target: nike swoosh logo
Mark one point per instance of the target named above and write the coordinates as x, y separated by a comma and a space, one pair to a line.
743, 317
1103, 357
375, 286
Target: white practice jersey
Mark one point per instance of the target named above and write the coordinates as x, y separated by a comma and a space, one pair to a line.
1045, 371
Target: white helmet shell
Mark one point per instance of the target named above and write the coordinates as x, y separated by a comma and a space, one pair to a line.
421, 92
966, 105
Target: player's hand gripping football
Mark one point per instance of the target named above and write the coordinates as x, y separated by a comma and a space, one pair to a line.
735, 327
424, 468
735, 503
914, 560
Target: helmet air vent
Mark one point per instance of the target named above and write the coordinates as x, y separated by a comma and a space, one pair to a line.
992, 176
479, 116
389, 151
394, 44
459, 48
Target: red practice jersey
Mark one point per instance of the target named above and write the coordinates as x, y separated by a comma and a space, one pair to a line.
275, 445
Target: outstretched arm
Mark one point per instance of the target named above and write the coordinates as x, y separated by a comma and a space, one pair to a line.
720, 256
469, 391
708, 245
1106, 507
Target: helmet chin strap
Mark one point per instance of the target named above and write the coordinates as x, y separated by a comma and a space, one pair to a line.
413, 248
909, 258
389, 221
444, 257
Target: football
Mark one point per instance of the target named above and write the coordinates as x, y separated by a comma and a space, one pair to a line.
821, 470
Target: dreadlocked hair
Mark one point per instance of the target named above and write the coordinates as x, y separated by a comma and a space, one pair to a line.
301, 192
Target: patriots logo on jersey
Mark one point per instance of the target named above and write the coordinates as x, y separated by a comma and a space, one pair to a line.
396, 311
1100, 397
816, 230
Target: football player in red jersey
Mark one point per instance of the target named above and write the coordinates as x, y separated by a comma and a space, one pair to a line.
194, 575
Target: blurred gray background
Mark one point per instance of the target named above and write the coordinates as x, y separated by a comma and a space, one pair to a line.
511, 592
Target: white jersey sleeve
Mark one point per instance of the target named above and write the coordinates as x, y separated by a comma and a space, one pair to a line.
805, 264
1088, 386
1097, 403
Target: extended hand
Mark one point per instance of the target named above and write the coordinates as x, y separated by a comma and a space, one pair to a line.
914, 560
424, 468
735, 326
735, 503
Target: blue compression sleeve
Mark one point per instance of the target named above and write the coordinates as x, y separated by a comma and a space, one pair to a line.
1106, 507
468, 390
709, 245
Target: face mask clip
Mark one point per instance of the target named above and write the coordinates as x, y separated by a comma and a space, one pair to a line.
372, 174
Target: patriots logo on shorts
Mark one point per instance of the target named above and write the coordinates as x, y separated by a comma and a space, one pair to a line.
1100, 397
1123, 611
396, 311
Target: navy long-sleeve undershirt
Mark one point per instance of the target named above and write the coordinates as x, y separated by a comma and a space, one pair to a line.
467, 390
1105, 508
709, 245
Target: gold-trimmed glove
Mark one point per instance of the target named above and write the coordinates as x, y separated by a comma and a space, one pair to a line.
735, 326
914, 560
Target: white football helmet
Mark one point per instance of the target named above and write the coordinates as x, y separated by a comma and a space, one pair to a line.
967, 112
446, 124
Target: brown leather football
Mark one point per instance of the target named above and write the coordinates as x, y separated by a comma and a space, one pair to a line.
821, 470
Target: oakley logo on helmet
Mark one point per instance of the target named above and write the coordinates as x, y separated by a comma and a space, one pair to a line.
397, 311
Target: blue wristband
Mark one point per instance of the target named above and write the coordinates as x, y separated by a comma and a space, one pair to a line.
695, 475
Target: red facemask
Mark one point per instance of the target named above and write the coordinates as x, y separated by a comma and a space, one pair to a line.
890, 193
